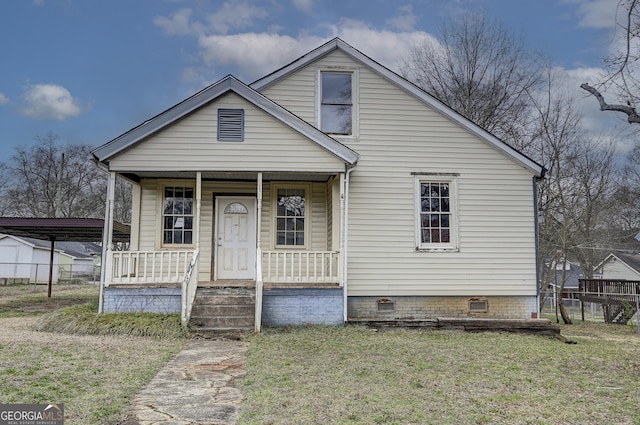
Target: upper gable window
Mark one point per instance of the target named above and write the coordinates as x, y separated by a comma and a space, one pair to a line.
336, 103
231, 125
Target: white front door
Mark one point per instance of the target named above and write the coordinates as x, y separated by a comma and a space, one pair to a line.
236, 237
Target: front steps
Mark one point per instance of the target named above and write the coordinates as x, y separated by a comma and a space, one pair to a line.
223, 310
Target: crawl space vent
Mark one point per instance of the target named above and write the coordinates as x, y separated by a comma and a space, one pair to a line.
476, 306
386, 305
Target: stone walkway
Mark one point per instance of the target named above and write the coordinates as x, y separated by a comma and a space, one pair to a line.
198, 387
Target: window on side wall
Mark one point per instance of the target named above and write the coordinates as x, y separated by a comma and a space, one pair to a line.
177, 215
336, 103
436, 213
291, 216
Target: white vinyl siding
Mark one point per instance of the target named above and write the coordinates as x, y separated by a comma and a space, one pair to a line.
398, 135
150, 223
190, 145
613, 268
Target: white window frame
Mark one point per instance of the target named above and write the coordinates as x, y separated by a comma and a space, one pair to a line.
307, 214
160, 207
354, 100
452, 180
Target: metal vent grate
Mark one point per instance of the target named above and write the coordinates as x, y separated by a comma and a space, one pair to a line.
386, 305
477, 306
231, 125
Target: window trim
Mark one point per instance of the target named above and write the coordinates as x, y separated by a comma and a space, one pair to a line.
160, 203
307, 214
452, 179
354, 100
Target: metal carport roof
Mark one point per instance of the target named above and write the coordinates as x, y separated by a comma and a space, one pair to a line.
62, 229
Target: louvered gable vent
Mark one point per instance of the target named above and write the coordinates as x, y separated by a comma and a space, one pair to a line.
231, 125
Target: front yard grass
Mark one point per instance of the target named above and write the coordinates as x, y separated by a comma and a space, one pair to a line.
95, 376
354, 375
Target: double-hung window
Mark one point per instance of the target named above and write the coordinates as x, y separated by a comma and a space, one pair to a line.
291, 216
336, 103
436, 212
177, 215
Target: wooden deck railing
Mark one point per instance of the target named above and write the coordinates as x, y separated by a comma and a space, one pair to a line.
148, 266
300, 266
619, 298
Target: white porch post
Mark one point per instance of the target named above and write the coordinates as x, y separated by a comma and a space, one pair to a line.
198, 207
107, 239
258, 311
136, 198
342, 256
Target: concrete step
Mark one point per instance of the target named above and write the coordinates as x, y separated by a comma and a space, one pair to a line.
222, 322
215, 310
223, 310
221, 299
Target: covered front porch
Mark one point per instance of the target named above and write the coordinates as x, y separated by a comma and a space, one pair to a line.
279, 233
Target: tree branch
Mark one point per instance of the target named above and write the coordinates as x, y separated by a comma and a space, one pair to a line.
633, 116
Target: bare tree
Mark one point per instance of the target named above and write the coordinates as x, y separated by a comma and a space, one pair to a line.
480, 70
52, 180
622, 77
575, 198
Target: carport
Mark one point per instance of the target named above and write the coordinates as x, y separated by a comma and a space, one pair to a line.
63, 229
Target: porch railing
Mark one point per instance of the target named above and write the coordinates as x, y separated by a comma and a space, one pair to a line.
300, 266
149, 266
189, 287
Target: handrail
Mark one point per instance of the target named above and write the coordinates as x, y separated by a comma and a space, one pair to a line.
189, 287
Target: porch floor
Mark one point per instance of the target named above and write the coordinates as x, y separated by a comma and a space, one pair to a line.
242, 283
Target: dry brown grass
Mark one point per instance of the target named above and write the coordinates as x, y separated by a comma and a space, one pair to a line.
94, 376
353, 375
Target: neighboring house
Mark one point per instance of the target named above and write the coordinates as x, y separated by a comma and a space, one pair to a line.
79, 260
27, 259
619, 266
567, 271
341, 190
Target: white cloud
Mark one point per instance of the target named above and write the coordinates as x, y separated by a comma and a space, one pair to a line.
604, 125
3, 99
178, 24
596, 13
257, 54
235, 14
49, 101
303, 5
405, 20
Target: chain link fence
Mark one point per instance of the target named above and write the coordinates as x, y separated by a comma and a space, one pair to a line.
38, 273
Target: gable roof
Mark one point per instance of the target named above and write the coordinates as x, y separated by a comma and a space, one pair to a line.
631, 261
227, 84
420, 94
33, 243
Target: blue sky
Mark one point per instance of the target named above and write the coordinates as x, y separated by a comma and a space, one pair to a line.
90, 70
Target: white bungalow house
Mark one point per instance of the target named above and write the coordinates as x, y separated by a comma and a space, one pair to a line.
333, 190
